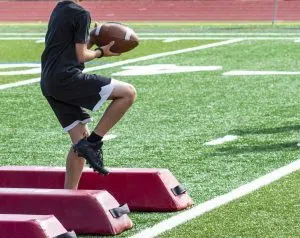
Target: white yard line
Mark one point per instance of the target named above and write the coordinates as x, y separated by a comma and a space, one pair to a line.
129, 61
20, 83
159, 69
170, 38
179, 34
40, 41
258, 73
222, 140
17, 65
22, 34
109, 137
212, 204
20, 38
217, 34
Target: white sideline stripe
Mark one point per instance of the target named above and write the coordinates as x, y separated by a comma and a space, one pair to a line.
170, 39
246, 73
21, 72
214, 203
22, 34
297, 41
217, 34
222, 140
164, 39
39, 40
20, 38
20, 83
143, 58
109, 137
157, 69
179, 34
8, 65
218, 38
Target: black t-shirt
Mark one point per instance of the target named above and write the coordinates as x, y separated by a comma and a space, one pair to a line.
69, 24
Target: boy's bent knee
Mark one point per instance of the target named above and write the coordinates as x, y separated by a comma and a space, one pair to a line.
123, 90
131, 93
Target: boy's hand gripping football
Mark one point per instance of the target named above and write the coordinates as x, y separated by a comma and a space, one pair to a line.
106, 50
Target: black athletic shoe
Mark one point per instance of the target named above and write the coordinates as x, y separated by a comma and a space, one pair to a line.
92, 152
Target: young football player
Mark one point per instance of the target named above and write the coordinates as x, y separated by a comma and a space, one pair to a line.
69, 91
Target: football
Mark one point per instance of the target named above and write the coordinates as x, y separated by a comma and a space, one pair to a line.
124, 37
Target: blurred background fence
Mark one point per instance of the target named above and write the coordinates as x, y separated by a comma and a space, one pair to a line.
162, 10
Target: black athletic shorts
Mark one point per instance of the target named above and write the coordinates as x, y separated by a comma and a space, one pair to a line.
70, 98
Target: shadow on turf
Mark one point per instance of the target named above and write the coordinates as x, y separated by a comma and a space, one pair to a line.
265, 130
287, 146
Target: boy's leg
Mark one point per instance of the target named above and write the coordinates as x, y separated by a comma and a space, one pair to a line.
75, 164
122, 96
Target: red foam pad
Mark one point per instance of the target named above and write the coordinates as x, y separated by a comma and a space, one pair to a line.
141, 189
30, 226
85, 212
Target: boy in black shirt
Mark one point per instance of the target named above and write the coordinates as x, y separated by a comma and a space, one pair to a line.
68, 90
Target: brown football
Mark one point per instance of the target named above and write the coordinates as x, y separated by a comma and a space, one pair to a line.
124, 37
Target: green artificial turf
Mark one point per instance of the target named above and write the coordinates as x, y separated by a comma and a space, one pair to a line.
272, 211
30, 52
174, 115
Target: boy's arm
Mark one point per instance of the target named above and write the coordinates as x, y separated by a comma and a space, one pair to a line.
84, 54
90, 44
